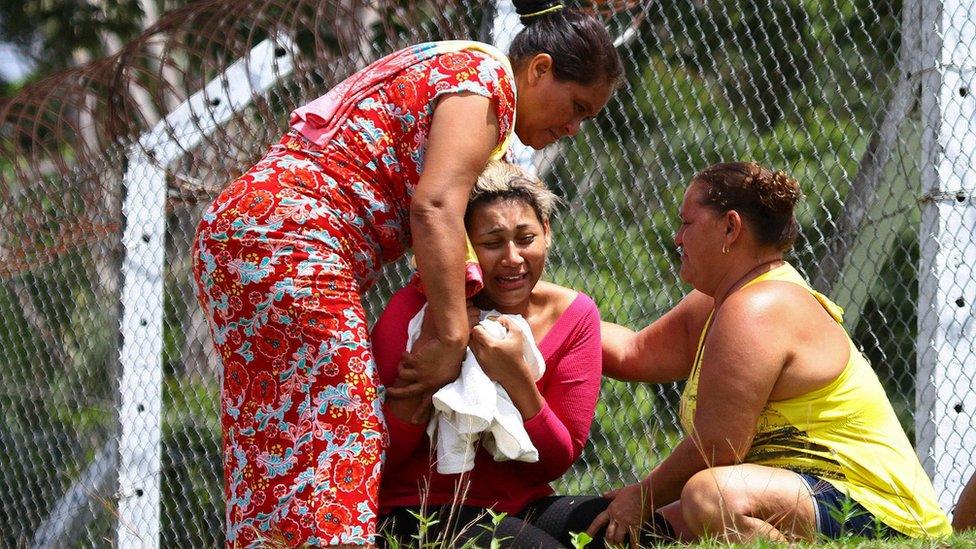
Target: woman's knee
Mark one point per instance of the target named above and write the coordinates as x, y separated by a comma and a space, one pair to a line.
708, 500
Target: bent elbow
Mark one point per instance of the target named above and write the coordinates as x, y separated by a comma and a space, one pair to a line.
431, 216
550, 468
426, 211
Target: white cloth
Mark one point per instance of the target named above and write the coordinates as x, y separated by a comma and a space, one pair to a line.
473, 406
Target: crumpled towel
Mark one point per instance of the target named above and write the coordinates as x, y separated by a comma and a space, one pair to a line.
474, 407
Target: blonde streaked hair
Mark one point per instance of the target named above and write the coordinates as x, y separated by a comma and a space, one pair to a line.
505, 181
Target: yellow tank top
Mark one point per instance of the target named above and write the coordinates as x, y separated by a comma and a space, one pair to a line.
845, 433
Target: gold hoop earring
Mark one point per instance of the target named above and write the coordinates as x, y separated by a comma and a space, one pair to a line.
725, 249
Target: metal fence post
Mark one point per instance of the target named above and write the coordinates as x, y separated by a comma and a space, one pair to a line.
142, 296
867, 227
141, 357
505, 26
945, 396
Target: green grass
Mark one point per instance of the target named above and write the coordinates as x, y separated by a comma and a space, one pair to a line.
958, 541
423, 540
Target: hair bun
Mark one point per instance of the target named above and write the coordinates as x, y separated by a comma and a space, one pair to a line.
780, 192
763, 196
529, 10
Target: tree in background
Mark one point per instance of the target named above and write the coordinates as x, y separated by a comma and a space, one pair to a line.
58, 34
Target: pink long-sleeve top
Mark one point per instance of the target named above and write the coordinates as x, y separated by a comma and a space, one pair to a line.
559, 431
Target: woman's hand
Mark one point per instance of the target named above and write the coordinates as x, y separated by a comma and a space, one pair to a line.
625, 515
429, 367
422, 372
503, 362
431, 364
501, 358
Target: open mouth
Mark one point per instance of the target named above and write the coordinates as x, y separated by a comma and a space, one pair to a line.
513, 281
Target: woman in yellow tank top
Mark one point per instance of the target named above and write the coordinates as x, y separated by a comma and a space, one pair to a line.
788, 433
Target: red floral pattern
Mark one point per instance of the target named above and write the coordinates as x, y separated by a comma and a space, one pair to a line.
349, 475
282, 257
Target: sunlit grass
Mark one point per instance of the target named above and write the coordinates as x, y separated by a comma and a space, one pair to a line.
965, 540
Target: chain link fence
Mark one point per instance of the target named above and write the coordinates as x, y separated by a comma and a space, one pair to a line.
832, 91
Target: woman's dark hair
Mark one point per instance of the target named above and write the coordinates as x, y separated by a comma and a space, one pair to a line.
764, 198
579, 44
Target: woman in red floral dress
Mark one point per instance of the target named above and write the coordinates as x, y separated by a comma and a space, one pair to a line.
283, 255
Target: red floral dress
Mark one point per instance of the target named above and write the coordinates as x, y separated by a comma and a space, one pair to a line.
281, 260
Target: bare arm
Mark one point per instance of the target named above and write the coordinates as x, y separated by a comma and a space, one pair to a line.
746, 351
964, 515
463, 133
661, 352
740, 366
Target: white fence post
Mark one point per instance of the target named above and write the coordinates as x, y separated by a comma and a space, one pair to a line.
140, 411
503, 30
141, 356
945, 396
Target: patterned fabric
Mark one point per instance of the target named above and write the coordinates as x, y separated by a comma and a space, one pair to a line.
319, 120
282, 258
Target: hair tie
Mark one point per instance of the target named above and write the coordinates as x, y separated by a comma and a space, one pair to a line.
551, 8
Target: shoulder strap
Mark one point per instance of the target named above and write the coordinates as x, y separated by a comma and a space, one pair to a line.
787, 273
